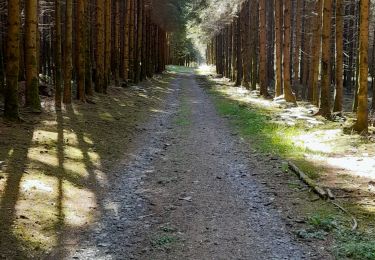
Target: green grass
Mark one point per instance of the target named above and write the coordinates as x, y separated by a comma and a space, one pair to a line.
163, 241
265, 136
268, 137
349, 244
183, 116
180, 69
255, 125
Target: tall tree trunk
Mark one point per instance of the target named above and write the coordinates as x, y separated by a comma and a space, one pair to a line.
339, 95
313, 94
297, 48
325, 105
88, 49
117, 43
100, 47
139, 42
238, 53
278, 47
254, 43
80, 50
126, 40
263, 49
132, 26
31, 56
58, 54
288, 93
11, 109
107, 60
306, 48
245, 46
68, 52
361, 125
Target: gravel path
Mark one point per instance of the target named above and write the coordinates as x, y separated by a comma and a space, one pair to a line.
186, 191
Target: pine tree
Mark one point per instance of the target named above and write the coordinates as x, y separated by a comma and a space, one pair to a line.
31, 56
68, 62
11, 108
361, 125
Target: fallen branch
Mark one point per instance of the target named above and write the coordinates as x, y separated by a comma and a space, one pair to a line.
354, 220
330, 194
306, 179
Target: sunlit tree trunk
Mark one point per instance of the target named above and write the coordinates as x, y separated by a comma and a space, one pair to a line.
361, 125
278, 47
11, 109
313, 94
31, 56
253, 41
287, 86
325, 105
58, 55
339, 95
245, 46
306, 47
263, 49
297, 47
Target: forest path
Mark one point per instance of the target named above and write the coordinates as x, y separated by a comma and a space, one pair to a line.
188, 191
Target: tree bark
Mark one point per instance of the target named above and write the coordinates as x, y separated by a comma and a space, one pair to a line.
31, 56
278, 47
288, 93
297, 49
361, 125
339, 95
325, 105
100, 47
68, 52
80, 50
315, 52
245, 46
107, 59
263, 49
11, 109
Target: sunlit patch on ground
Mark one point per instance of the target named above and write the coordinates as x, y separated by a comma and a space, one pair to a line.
53, 168
325, 150
347, 152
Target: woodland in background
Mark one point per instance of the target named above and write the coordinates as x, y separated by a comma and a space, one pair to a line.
74, 48
315, 50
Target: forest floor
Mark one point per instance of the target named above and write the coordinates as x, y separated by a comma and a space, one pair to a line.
166, 170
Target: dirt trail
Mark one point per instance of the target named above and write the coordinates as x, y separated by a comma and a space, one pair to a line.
187, 190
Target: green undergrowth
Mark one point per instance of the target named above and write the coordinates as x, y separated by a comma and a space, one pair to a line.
265, 136
324, 221
349, 244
